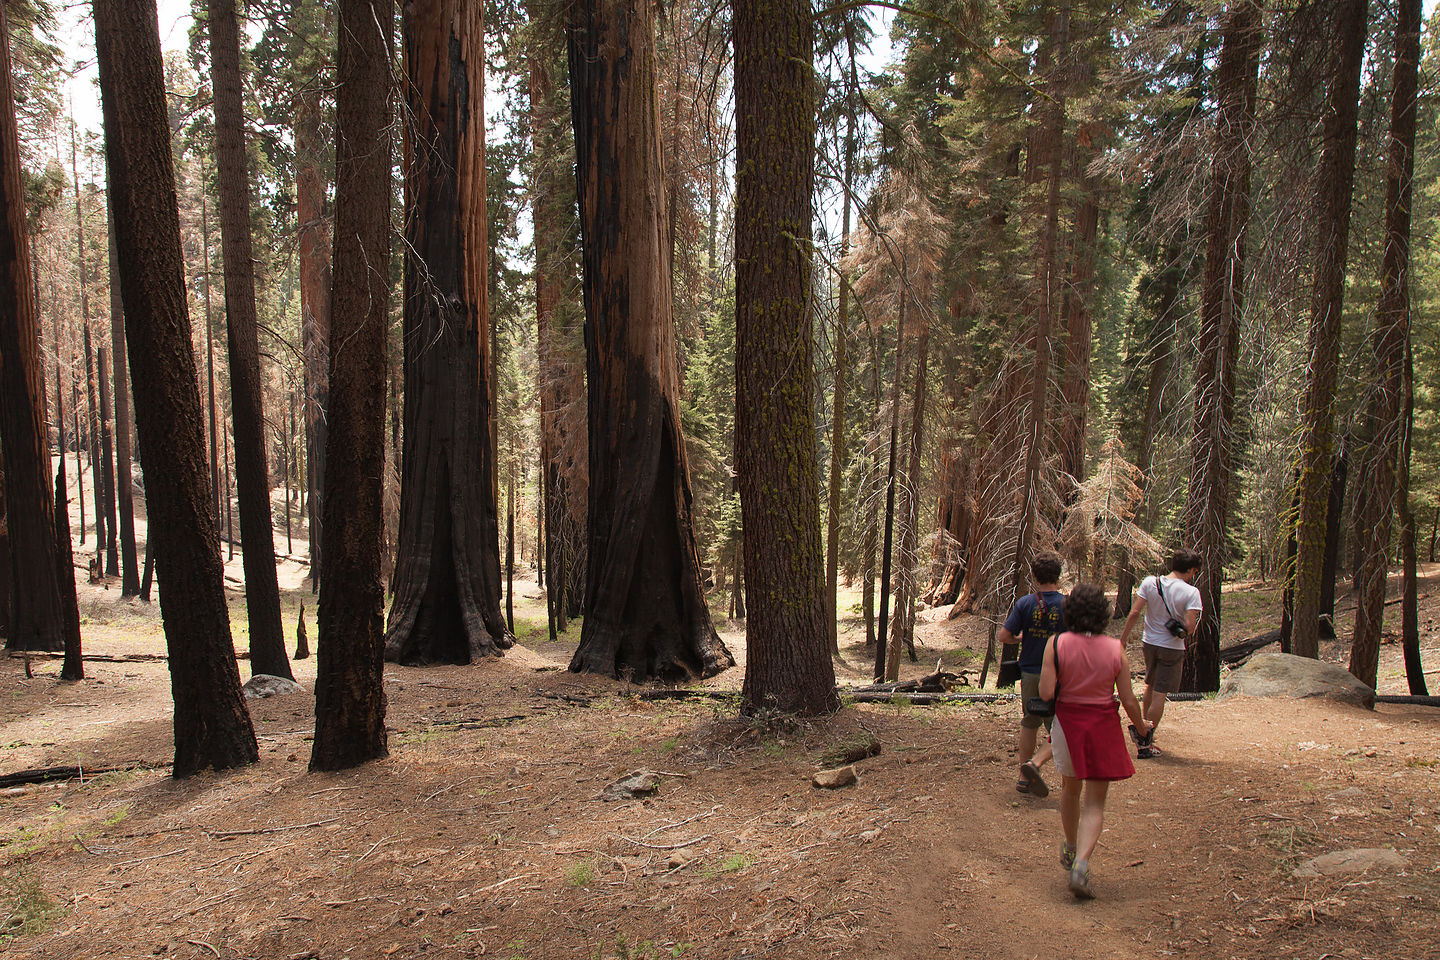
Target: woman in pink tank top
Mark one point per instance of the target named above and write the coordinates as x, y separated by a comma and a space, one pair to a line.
1083, 671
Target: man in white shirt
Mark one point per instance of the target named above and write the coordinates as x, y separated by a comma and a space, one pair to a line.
1171, 607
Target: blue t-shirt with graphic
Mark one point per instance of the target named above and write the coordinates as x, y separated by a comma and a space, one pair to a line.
1035, 622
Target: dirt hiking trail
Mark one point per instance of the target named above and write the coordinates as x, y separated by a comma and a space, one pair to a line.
485, 834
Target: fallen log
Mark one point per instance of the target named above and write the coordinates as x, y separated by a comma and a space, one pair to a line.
1238, 652
51, 774
941, 681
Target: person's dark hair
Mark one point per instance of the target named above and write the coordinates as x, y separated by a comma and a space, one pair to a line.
1183, 561
1086, 609
1046, 568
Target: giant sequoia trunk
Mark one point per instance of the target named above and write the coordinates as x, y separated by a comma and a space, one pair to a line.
252, 468
447, 569
1376, 484
212, 726
645, 613
788, 664
1222, 299
1332, 232
35, 608
349, 697
558, 319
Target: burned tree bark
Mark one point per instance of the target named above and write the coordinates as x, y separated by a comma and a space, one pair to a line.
349, 697
252, 468
36, 614
645, 613
447, 568
212, 726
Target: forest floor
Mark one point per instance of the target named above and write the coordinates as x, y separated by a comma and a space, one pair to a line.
485, 834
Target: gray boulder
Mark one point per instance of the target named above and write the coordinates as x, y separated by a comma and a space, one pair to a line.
1284, 675
264, 685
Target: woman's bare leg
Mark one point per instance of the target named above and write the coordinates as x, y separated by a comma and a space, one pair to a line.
1091, 819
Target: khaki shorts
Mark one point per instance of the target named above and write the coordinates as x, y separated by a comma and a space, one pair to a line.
1030, 687
1163, 667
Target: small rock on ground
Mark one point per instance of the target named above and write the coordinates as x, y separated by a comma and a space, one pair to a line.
641, 783
835, 779
1358, 860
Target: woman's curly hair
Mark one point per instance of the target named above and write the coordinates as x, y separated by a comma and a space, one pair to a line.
1086, 609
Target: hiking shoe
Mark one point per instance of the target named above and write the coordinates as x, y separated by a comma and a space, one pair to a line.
1080, 883
1067, 856
1034, 784
1146, 753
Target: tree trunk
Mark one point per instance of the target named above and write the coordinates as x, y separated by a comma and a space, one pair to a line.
313, 253
447, 568
1410, 605
837, 424
252, 467
561, 375
1332, 230
212, 726
1376, 486
953, 516
124, 477
36, 611
92, 426
909, 531
645, 613
92, 435
787, 665
79, 440
349, 696
1075, 368
222, 511
882, 631
1212, 469
1053, 134
73, 667
1334, 529
107, 461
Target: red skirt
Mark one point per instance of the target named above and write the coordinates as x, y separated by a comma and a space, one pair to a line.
1094, 740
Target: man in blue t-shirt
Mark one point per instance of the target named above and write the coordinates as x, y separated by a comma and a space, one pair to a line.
1035, 618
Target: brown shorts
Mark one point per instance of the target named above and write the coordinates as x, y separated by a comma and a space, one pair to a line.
1163, 667
1030, 687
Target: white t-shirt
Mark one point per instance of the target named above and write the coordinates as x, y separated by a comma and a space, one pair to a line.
1179, 596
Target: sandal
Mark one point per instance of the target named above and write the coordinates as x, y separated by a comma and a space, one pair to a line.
1022, 786
1034, 785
